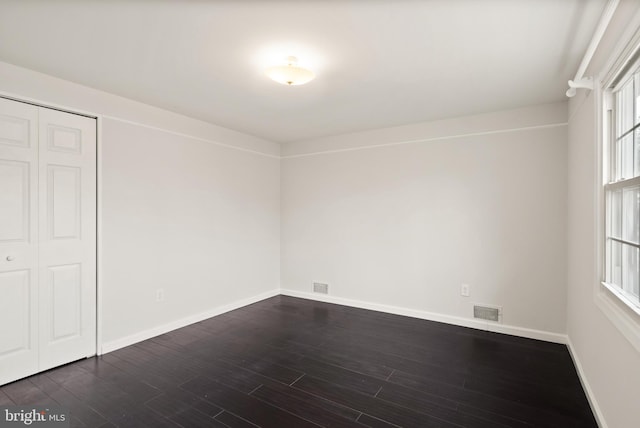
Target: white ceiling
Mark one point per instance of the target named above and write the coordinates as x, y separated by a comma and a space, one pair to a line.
379, 63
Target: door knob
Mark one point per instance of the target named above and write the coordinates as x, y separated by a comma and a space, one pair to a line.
10, 258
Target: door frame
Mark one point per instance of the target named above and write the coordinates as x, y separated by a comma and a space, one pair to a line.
99, 119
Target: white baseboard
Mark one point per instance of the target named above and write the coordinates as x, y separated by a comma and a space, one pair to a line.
432, 316
165, 328
586, 387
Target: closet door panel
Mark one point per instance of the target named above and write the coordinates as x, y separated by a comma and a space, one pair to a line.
18, 240
67, 216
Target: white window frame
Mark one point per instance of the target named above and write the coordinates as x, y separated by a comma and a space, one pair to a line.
612, 184
608, 298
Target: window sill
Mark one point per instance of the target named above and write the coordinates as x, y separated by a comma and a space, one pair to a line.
621, 312
623, 297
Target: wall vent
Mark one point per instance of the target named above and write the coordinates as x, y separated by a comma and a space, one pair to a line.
319, 287
489, 313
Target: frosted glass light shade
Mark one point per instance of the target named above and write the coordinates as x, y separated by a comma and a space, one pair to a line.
290, 74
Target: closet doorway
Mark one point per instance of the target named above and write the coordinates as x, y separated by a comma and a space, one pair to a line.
47, 238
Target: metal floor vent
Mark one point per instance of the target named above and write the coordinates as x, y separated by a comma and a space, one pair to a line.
486, 313
319, 287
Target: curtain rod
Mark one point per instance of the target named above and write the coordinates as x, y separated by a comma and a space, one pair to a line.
580, 81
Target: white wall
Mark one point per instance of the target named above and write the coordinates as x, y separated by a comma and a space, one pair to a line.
609, 362
195, 219
190, 208
482, 201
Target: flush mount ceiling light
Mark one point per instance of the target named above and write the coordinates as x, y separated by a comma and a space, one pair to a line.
290, 74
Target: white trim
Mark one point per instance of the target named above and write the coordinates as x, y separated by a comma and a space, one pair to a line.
192, 137
40, 103
426, 140
593, 403
191, 319
432, 316
622, 52
205, 140
99, 264
371, 146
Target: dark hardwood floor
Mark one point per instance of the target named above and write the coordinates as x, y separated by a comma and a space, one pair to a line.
287, 362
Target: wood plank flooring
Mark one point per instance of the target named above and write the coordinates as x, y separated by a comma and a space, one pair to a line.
287, 362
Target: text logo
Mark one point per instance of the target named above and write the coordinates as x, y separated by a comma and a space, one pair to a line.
34, 416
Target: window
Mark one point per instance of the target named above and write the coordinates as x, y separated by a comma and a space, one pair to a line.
622, 187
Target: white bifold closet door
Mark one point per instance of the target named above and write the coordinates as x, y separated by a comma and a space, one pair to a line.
47, 238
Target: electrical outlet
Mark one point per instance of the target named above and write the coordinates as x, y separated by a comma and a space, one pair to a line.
464, 290
159, 295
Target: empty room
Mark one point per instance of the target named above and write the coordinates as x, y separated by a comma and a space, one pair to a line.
356, 213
